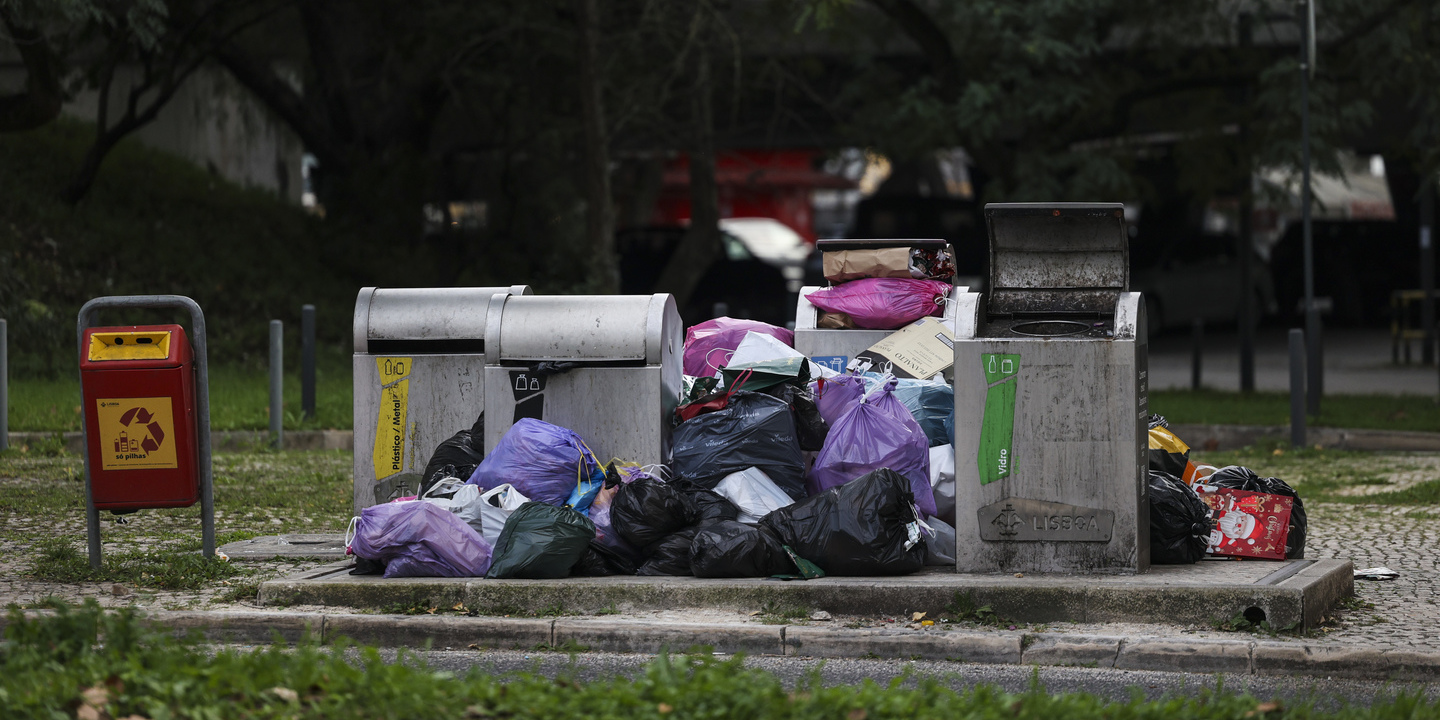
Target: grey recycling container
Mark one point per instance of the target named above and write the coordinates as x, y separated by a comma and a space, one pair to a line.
418, 367
1050, 398
608, 367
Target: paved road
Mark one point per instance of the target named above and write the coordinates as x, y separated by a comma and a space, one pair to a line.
1118, 685
1356, 362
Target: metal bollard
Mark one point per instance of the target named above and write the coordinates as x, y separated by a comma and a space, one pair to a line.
277, 378
307, 360
1297, 387
4, 385
1197, 340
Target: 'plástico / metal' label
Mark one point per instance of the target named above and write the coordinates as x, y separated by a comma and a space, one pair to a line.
389, 453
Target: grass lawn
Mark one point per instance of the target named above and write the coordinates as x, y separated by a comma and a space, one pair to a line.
42, 523
239, 400
1379, 412
93, 664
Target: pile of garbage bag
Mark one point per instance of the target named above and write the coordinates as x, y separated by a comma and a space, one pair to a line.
778, 467
1197, 510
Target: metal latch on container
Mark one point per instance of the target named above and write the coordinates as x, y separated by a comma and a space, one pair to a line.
140, 345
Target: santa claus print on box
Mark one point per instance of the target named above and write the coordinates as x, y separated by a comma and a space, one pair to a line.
1247, 524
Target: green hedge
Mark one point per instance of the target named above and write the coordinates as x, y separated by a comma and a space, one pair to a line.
54, 667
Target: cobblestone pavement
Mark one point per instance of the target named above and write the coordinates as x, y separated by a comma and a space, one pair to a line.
1400, 614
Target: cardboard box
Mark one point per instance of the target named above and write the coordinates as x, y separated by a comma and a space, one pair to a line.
922, 349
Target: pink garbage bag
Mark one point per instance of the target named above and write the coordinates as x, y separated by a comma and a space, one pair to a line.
708, 345
878, 432
883, 303
420, 539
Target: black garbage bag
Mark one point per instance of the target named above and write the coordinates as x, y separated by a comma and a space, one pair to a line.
540, 541
671, 555
753, 430
464, 451
864, 527
366, 566
810, 428
1243, 478
1180, 522
707, 506
599, 560
732, 549
647, 510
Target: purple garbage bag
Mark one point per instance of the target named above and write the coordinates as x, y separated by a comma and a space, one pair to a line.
878, 432
833, 396
883, 303
708, 346
420, 539
544, 462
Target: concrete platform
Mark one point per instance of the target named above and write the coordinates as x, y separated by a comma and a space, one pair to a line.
1289, 593
293, 545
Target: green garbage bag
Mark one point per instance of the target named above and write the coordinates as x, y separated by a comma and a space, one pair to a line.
540, 541
766, 374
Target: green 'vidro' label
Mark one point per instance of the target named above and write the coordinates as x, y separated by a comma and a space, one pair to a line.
997, 427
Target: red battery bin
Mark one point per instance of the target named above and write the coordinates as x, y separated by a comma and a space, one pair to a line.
137, 387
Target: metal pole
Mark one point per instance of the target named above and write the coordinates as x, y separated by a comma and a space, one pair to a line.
1297, 387
1312, 316
307, 360
202, 411
1427, 269
1197, 341
1247, 239
277, 377
4, 385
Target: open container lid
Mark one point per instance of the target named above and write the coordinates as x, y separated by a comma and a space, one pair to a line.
1056, 258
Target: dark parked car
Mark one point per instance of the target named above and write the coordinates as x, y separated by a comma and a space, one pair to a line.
750, 288
1358, 263
1197, 277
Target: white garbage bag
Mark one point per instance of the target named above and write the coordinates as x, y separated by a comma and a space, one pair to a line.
465, 502
495, 508
759, 347
754, 493
942, 481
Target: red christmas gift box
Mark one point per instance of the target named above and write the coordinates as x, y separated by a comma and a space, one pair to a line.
1247, 524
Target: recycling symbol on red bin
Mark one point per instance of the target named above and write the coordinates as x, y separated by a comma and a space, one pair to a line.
143, 416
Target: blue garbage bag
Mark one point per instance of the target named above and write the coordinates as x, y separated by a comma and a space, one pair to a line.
546, 463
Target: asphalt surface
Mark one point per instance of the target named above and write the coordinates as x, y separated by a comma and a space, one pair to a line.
1357, 362
1114, 685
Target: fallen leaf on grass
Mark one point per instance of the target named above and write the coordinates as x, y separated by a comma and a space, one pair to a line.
285, 694
1264, 708
663, 708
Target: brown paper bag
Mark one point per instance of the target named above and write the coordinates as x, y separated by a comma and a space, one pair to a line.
842, 265
835, 321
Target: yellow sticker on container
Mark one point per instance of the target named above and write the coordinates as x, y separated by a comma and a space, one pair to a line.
136, 433
389, 455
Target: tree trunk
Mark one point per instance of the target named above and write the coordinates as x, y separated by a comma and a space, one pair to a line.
700, 245
43, 96
599, 210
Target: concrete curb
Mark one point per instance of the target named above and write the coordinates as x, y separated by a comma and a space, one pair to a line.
1234, 437
220, 440
1200, 437
1242, 656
